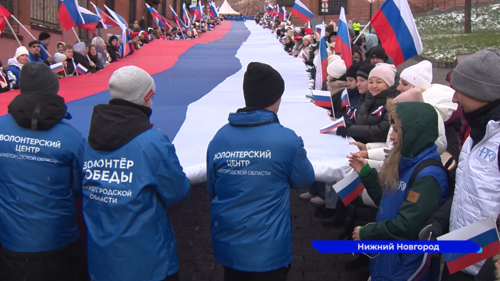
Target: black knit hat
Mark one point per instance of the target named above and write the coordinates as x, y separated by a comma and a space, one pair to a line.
37, 77
33, 42
364, 71
43, 35
379, 53
353, 69
262, 85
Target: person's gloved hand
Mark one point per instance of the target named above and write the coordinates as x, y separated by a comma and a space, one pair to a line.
431, 231
342, 131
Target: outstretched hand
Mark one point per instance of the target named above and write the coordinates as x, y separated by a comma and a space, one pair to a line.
361, 146
356, 161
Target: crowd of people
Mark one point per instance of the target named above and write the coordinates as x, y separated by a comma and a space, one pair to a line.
423, 176
82, 58
415, 140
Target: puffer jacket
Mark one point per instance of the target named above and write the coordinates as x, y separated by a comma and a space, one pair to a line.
132, 175
368, 127
252, 163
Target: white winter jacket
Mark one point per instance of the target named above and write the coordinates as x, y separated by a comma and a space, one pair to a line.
477, 189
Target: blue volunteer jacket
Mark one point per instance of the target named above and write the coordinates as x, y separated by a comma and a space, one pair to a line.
406, 266
13, 72
41, 172
126, 194
252, 162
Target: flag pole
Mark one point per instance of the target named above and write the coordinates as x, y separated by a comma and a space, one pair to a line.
74, 32
20, 24
13, 32
369, 23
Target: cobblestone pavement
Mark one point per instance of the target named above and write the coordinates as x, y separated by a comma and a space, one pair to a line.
191, 222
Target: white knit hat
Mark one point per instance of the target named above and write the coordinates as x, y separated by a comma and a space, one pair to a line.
21, 51
419, 75
336, 68
58, 57
132, 84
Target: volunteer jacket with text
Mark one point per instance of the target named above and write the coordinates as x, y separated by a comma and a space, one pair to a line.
132, 175
41, 172
252, 162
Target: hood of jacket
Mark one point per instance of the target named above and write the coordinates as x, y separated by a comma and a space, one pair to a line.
115, 124
247, 117
441, 96
417, 124
335, 86
371, 41
38, 111
14, 62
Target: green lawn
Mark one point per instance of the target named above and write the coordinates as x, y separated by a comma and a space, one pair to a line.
443, 38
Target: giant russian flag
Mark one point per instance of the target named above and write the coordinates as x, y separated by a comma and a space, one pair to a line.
106, 21
301, 11
483, 233
349, 188
322, 98
4, 17
336, 124
397, 31
343, 40
90, 19
68, 14
322, 64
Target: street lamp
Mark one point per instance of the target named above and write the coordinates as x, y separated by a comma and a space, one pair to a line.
324, 8
371, 2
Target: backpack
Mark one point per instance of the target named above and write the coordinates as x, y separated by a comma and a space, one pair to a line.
434, 162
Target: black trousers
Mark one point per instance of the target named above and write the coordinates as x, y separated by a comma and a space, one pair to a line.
68, 263
279, 274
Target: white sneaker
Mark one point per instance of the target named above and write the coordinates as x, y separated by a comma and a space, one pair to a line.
306, 196
317, 200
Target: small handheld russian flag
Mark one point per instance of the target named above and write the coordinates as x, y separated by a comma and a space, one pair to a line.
81, 69
379, 111
344, 100
338, 123
57, 67
349, 188
322, 98
484, 233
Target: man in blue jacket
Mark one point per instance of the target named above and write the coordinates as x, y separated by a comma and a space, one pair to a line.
41, 158
132, 175
252, 162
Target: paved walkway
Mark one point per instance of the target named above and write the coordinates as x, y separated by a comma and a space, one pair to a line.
191, 222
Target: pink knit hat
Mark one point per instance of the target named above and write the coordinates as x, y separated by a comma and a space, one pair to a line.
384, 71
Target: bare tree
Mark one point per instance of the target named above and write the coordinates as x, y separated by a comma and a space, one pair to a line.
467, 16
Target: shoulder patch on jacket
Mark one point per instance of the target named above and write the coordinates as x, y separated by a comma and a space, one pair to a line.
413, 196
